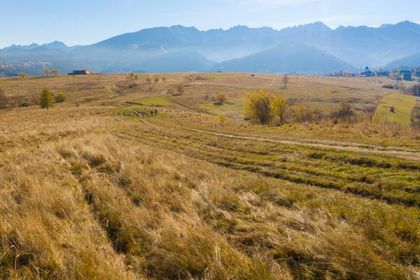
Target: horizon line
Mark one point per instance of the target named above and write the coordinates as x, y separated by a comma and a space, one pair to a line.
213, 29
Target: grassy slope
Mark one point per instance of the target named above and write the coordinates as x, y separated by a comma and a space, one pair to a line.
403, 105
94, 192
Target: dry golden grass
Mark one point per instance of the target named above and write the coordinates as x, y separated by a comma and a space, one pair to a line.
93, 191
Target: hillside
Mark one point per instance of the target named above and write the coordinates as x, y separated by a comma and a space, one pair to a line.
287, 59
101, 187
409, 61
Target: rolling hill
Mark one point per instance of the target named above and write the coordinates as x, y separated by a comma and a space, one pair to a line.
408, 61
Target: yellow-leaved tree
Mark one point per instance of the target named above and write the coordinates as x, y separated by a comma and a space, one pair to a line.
278, 109
265, 107
46, 99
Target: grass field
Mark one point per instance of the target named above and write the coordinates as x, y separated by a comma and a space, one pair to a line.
396, 108
154, 101
93, 189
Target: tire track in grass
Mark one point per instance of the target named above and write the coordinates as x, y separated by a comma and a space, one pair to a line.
152, 139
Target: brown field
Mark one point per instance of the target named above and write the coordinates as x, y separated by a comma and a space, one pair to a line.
96, 188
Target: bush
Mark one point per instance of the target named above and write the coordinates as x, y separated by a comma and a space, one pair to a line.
392, 109
278, 109
3, 99
132, 77
263, 107
180, 90
304, 114
257, 106
46, 99
220, 98
345, 113
389, 86
23, 103
60, 97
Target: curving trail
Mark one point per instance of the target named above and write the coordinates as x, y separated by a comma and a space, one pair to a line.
322, 144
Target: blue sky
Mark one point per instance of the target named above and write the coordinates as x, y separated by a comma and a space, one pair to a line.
88, 21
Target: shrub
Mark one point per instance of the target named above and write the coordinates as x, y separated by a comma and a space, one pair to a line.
303, 114
23, 103
262, 106
156, 79
180, 90
46, 99
60, 97
345, 113
220, 98
3, 99
257, 106
392, 109
278, 109
132, 77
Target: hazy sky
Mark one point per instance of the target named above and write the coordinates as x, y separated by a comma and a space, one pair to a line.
88, 21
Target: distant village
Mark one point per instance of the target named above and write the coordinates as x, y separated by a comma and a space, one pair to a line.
396, 74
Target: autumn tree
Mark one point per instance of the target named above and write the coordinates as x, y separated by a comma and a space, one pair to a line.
278, 109
55, 72
258, 106
265, 107
46, 99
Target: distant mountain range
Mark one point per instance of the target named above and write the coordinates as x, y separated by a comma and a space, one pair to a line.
312, 48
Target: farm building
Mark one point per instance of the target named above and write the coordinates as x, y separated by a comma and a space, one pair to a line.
81, 72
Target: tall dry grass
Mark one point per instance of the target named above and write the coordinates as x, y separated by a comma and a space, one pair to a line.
100, 207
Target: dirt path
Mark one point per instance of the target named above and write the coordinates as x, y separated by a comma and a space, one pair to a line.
333, 145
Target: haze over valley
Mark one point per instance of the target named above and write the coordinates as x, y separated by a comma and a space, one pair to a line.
311, 49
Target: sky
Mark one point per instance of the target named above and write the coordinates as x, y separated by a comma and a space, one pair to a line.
81, 22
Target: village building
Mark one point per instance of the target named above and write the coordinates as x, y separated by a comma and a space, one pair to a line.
367, 72
80, 72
